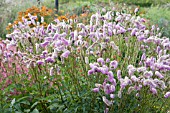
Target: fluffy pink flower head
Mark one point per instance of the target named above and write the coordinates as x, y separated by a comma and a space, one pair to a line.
101, 60
96, 90
167, 94
40, 62
113, 64
136, 10
65, 54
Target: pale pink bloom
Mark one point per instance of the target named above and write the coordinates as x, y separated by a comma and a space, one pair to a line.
96, 90
65, 54
167, 95
106, 101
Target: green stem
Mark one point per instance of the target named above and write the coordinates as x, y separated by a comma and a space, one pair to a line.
162, 105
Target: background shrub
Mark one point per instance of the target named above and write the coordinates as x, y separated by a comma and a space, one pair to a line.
160, 16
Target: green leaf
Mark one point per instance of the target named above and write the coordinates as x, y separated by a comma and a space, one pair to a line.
34, 104
18, 107
76, 109
60, 108
35, 111
25, 102
18, 112
27, 110
22, 98
55, 105
13, 101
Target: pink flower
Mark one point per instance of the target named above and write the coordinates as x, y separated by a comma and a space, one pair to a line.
103, 70
65, 42
136, 10
167, 95
113, 64
133, 33
119, 74
65, 54
157, 73
90, 72
107, 60
143, 56
134, 78
44, 44
106, 101
111, 78
96, 90
153, 90
106, 110
48, 39
141, 69
130, 89
40, 62
148, 74
101, 60
112, 88
49, 59
112, 96
107, 89
86, 60
51, 71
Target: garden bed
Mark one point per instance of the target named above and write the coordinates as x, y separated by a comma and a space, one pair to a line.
109, 60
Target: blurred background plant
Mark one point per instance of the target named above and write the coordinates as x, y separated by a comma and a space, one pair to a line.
143, 3
160, 16
9, 10
44, 12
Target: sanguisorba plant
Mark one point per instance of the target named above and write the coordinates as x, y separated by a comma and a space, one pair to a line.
113, 64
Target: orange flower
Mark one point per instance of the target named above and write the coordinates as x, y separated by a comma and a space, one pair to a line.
84, 15
73, 16
15, 22
35, 11
8, 28
26, 16
62, 18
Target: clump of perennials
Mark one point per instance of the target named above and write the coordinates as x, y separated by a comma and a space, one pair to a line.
119, 51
